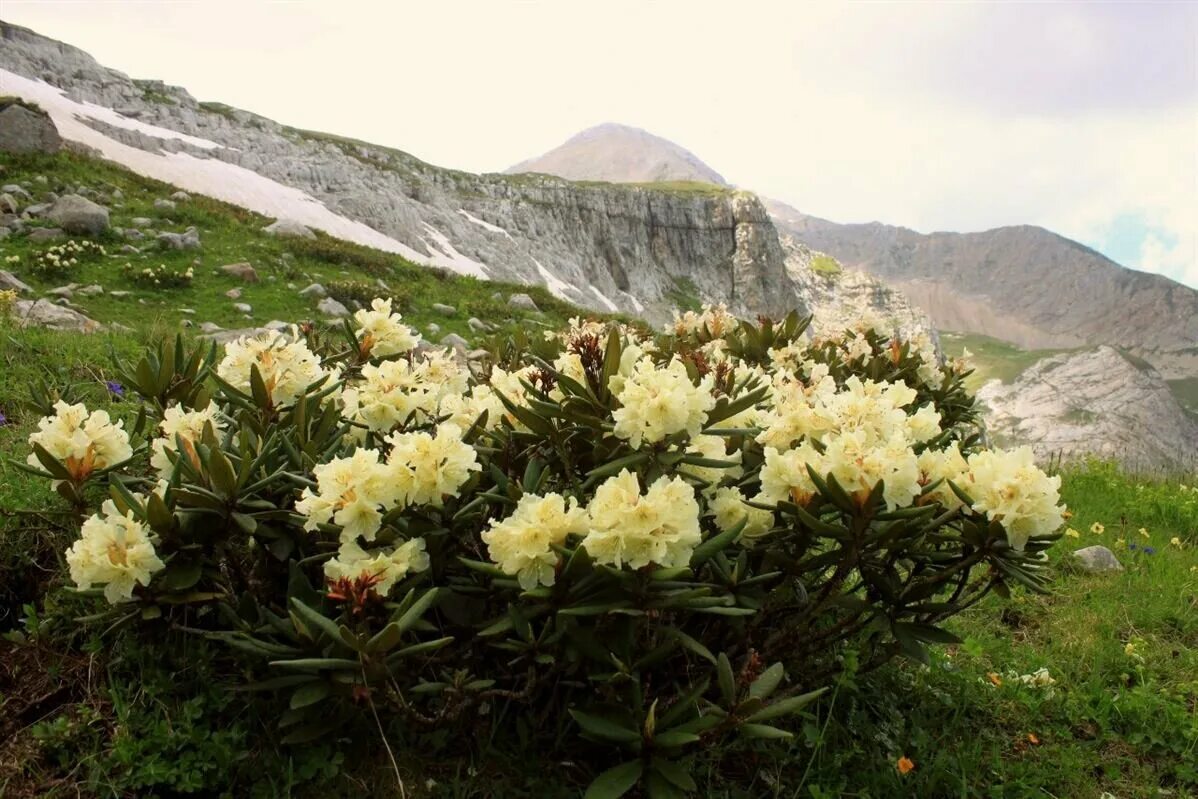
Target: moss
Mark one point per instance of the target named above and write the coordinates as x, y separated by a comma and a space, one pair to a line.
825, 265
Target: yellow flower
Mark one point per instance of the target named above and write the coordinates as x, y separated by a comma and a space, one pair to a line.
1120, 543
904, 765
1175, 541
1097, 528
1144, 532
1073, 533
1129, 649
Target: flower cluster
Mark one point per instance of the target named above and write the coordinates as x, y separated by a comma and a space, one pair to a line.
382, 332
712, 320
82, 441
114, 550
284, 362
657, 402
179, 424
159, 277
62, 259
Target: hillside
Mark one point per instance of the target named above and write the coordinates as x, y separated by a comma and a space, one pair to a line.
601, 246
1024, 285
620, 154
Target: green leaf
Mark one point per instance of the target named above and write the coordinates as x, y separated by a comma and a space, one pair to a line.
786, 707
675, 773
708, 549
616, 781
310, 694
767, 683
316, 619
672, 739
763, 731
726, 680
604, 729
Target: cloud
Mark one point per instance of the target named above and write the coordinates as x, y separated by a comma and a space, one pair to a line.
936, 116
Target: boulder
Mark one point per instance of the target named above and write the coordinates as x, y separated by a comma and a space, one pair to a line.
330, 307
44, 313
188, 240
443, 309
1096, 560
16, 190
25, 130
181, 196
314, 290
289, 228
522, 302
45, 234
78, 215
242, 270
164, 205
10, 282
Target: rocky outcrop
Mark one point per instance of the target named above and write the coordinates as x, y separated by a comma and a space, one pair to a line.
43, 313
1096, 402
838, 298
1024, 285
26, 129
608, 247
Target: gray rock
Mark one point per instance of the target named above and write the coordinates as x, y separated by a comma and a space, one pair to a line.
117, 194
433, 328
456, 341
37, 209
522, 302
129, 249
43, 313
10, 282
330, 307
314, 290
90, 291
78, 215
188, 311
233, 294
181, 196
210, 327
289, 228
23, 130
164, 205
241, 270
188, 240
477, 325
133, 234
4, 233
1096, 560
119, 293
477, 355
63, 291
141, 221
497, 296
243, 307
8, 204
443, 309
277, 324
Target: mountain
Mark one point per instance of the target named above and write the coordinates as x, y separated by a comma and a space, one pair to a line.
620, 154
1023, 284
605, 246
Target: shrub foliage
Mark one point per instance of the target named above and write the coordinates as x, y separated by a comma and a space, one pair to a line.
635, 543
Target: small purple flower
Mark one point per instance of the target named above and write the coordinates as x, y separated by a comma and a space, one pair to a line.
1149, 550
3, 419
1132, 547
115, 388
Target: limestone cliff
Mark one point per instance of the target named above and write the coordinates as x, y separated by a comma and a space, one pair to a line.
609, 247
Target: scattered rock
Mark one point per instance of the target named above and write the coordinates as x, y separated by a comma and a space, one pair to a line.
443, 309
314, 290
44, 313
37, 209
477, 355
277, 324
242, 270
243, 307
433, 328
141, 221
477, 325
8, 204
24, 130
133, 234
456, 341
117, 194
79, 215
187, 240
16, 189
1097, 559
4, 233
42, 235
91, 291
330, 307
119, 293
63, 291
522, 302
289, 228
164, 205
10, 282
129, 249
210, 327
233, 294
181, 196
188, 311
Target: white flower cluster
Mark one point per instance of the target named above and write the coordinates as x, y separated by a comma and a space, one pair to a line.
715, 319
114, 550
83, 442
66, 255
178, 423
401, 391
382, 332
285, 363
657, 402
621, 526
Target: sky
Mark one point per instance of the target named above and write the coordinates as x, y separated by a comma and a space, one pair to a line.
1078, 117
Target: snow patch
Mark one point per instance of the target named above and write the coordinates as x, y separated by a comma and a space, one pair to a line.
444, 254
484, 224
611, 306
636, 304
215, 178
557, 287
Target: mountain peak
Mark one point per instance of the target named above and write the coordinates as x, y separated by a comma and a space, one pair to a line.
618, 153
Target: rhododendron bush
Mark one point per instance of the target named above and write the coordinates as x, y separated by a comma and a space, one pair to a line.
650, 541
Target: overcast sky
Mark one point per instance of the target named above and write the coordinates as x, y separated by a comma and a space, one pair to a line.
1080, 117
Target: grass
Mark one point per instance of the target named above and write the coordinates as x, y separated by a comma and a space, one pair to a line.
825, 265
230, 235
992, 359
1186, 391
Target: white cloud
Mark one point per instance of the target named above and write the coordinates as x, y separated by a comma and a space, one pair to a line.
936, 116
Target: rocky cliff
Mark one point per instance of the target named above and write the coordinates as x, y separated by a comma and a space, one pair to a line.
1024, 284
613, 248
1095, 402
